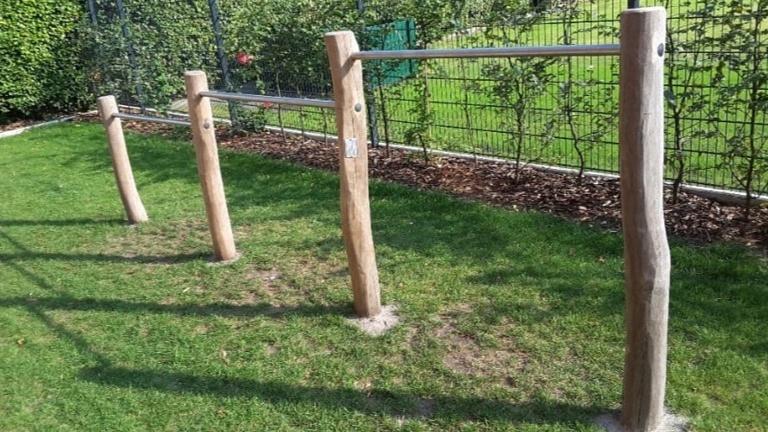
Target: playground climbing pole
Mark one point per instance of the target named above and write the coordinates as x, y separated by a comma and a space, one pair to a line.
352, 141
646, 252
207, 155
353, 172
121, 164
641, 142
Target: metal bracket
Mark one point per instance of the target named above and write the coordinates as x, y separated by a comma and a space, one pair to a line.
350, 147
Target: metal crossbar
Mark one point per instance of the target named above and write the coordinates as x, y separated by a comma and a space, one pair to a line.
152, 119
319, 103
543, 51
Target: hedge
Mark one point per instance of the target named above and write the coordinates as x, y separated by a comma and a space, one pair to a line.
41, 70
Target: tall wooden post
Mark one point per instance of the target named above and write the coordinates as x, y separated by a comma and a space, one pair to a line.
646, 252
121, 164
207, 155
347, 75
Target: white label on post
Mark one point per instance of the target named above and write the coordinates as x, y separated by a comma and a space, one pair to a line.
350, 149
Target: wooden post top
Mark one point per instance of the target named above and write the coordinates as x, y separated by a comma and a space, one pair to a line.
338, 33
643, 10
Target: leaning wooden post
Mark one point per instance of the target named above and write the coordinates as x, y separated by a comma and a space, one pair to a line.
347, 75
121, 164
201, 117
646, 252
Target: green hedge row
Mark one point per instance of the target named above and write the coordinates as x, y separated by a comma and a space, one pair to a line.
55, 60
41, 69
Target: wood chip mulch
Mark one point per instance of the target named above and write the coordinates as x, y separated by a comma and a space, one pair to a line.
17, 125
595, 201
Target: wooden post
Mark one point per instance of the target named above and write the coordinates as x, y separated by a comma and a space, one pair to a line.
348, 94
207, 155
646, 252
121, 164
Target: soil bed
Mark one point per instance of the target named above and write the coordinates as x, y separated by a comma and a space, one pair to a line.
17, 124
594, 200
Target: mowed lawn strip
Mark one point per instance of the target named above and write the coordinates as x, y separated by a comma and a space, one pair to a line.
510, 320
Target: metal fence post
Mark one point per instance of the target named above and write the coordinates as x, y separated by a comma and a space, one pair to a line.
92, 12
370, 94
222, 57
410, 30
131, 55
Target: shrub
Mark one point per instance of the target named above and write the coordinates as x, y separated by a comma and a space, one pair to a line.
142, 60
41, 68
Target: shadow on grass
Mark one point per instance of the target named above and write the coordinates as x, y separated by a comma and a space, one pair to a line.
137, 259
61, 222
396, 404
68, 303
574, 289
719, 289
704, 282
759, 349
26, 254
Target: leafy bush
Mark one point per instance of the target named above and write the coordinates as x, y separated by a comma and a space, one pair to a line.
41, 68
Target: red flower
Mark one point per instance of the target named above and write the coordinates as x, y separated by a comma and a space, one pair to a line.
244, 58
267, 105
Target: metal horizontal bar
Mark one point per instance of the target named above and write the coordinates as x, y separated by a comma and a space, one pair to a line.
542, 51
152, 119
242, 97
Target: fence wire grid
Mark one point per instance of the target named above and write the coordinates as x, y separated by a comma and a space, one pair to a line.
560, 112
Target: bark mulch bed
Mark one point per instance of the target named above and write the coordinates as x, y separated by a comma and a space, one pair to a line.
17, 124
595, 201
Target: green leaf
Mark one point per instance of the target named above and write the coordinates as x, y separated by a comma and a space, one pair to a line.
669, 96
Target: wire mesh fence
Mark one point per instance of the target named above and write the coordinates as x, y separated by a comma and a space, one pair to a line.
140, 50
559, 112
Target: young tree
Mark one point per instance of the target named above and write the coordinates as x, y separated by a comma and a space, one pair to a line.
741, 83
434, 19
588, 105
516, 84
685, 64
380, 72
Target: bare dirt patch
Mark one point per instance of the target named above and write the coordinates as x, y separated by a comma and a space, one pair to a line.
204, 328
465, 355
272, 349
249, 298
269, 280
161, 245
379, 324
169, 301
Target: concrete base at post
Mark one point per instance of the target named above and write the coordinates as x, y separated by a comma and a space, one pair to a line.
670, 423
379, 324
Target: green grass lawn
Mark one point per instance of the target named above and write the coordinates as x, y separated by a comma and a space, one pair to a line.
510, 320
